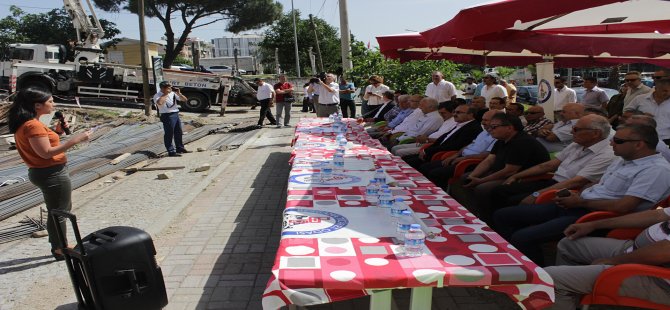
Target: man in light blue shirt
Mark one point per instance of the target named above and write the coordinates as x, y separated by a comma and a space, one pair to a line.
635, 182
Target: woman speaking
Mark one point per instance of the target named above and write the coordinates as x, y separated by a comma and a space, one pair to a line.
41, 150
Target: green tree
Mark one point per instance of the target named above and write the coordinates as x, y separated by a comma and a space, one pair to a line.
53, 27
412, 76
504, 72
241, 15
280, 36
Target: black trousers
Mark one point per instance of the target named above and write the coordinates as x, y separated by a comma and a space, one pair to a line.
265, 112
512, 194
54, 182
348, 105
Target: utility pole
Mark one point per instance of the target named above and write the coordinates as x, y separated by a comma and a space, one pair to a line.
345, 47
312, 61
295, 42
277, 60
236, 71
143, 51
316, 39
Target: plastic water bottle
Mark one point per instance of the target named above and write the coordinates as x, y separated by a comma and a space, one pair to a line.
371, 195
330, 118
326, 172
380, 176
405, 220
398, 206
386, 198
342, 142
338, 161
414, 239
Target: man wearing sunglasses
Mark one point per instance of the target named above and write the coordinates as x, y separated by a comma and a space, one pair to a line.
581, 259
582, 162
657, 103
635, 182
635, 87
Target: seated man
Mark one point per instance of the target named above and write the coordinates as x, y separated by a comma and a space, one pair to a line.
463, 133
535, 120
403, 109
556, 137
581, 259
497, 103
440, 171
516, 109
377, 115
429, 121
661, 147
479, 104
514, 151
634, 182
584, 161
406, 123
446, 110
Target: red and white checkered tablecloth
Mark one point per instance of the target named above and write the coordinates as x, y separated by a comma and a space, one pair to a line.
335, 246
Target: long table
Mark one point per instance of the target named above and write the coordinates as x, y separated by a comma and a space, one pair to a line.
335, 246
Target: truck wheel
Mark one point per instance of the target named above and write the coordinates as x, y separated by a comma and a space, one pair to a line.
36, 84
196, 102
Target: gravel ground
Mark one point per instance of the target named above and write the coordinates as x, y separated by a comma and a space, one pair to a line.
30, 277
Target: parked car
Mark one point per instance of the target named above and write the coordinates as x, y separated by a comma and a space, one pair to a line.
183, 67
526, 94
225, 70
581, 91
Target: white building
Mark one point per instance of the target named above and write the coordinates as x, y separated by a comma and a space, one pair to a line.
247, 45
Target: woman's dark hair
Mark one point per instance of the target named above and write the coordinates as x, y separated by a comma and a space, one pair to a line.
23, 108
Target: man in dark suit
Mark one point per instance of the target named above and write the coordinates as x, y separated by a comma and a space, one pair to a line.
466, 130
377, 115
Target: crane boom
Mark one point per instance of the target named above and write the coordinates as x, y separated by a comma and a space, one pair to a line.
89, 30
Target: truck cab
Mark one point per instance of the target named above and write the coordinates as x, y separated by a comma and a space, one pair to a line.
35, 52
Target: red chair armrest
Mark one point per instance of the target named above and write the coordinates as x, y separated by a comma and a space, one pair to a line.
462, 166
597, 215
606, 288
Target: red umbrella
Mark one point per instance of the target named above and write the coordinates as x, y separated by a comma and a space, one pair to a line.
413, 46
594, 28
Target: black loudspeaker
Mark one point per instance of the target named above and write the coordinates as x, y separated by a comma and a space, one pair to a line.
114, 268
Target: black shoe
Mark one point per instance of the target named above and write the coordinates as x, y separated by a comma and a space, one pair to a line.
174, 155
183, 151
57, 256
273, 124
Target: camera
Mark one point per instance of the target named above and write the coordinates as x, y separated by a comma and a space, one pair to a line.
314, 80
175, 89
320, 77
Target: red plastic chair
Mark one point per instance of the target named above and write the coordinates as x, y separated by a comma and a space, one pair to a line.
442, 155
606, 288
462, 166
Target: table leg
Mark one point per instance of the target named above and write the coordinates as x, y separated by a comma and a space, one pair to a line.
422, 298
381, 300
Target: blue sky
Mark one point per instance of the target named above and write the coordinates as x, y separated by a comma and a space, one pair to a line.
367, 18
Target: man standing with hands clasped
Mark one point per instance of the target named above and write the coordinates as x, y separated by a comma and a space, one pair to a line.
166, 102
266, 96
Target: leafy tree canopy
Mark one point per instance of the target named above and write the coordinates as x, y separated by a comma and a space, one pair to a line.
53, 27
240, 15
280, 36
412, 76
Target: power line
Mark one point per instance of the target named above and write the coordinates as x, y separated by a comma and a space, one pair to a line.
324, 3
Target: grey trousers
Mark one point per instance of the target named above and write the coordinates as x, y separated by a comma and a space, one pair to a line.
286, 108
405, 149
325, 110
575, 276
54, 182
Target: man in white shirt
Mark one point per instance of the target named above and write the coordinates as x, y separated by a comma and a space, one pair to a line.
427, 123
440, 89
446, 110
266, 96
166, 102
329, 95
656, 103
635, 87
469, 89
563, 94
557, 136
492, 89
